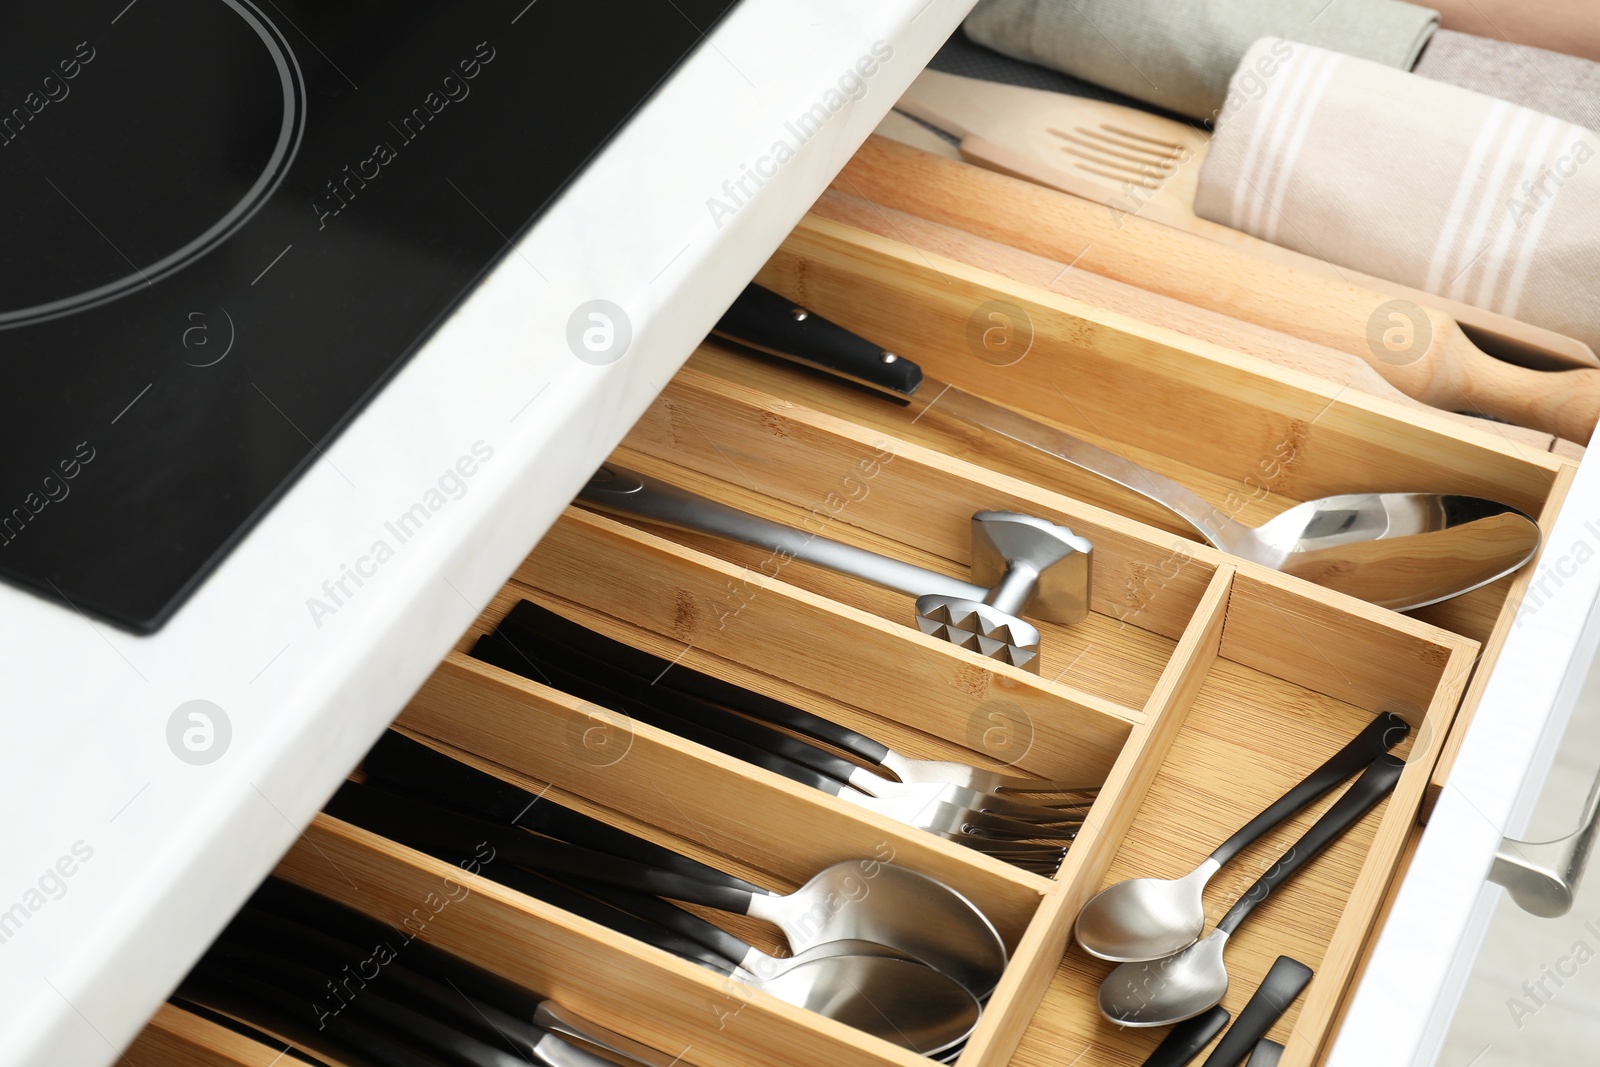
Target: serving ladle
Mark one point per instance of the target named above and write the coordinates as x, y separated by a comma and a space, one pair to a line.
1397, 550
1181, 986
1148, 918
855, 900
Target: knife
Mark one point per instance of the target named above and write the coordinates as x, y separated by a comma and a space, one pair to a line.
767, 322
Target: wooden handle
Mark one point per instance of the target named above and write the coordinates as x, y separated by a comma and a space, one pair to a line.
1201, 272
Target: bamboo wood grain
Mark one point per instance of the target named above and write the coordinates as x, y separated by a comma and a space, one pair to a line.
695, 793
1107, 375
1450, 372
997, 1038
642, 992
177, 1038
919, 498
820, 644
1041, 136
1293, 630
1282, 349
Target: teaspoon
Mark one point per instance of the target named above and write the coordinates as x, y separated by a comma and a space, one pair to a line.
1181, 986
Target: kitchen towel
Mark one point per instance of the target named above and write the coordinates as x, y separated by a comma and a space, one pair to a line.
1564, 86
1568, 26
1179, 54
1434, 186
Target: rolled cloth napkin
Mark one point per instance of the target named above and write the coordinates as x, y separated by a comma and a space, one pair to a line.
1560, 85
1430, 185
1179, 54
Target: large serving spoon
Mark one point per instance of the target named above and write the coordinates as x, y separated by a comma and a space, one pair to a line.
1181, 986
856, 900
1148, 918
1396, 550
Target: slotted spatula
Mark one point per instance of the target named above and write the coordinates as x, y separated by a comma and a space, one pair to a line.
1137, 163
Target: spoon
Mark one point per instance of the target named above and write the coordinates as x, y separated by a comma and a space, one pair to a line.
1397, 550
867, 985
861, 900
1181, 986
1148, 918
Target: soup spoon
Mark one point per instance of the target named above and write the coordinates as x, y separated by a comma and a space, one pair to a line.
1181, 986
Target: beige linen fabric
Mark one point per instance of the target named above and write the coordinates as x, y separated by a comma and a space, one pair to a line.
1179, 54
1430, 185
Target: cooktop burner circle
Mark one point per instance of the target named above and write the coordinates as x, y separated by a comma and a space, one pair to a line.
151, 260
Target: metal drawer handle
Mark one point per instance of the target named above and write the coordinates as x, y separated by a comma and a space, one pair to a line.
1543, 876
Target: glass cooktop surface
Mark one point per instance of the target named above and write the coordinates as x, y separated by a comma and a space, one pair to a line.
226, 224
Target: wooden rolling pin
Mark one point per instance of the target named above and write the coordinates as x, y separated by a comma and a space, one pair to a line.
1248, 338
1447, 371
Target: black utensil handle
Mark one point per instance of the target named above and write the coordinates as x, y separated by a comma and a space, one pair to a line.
767, 322
1363, 795
367, 1005
668, 916
1378, 737
1184, 1041
604, 685
380, 939
341, 961
547, 625
413, 767
219, 987
1267, 1004
497, 651
421, 825
630, 913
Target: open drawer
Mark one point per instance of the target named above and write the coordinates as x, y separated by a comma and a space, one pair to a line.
1197, 690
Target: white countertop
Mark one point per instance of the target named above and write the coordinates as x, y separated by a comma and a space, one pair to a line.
120, 861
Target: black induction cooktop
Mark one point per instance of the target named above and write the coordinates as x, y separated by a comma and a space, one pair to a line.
225, 224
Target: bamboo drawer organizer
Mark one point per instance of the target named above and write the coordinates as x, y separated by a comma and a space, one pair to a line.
1199, 689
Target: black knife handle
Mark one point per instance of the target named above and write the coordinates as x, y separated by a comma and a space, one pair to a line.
767, 322
1184, 1041
1363, 795
1381, 734
538, 621
412, 767
1271, 999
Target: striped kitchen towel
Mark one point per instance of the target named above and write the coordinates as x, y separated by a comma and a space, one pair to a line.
1427, 184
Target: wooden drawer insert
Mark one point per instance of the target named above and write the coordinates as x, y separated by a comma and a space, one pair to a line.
1199, 689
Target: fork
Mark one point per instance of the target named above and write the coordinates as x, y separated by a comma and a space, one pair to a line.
537, 624
935, 808
983, 831
581, 676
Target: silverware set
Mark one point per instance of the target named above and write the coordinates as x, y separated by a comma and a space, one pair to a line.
882, 947
1024, 821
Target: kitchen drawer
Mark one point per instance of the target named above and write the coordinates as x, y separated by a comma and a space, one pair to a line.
1196, 691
